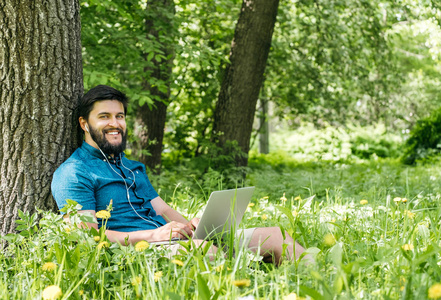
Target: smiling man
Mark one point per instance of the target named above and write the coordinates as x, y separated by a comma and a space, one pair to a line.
98, 173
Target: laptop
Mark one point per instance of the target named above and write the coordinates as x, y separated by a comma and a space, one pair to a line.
223, 213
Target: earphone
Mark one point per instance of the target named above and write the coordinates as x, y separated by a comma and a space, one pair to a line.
125, 183
87, 128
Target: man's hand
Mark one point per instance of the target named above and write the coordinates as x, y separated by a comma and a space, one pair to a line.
173, 230
193, 223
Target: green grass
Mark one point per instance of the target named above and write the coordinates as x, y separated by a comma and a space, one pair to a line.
362, 257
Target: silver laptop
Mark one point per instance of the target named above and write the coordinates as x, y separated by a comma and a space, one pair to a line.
223, 213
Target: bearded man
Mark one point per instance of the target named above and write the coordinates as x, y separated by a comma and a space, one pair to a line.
98, 173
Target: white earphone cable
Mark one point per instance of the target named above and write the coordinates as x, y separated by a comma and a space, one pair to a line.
127, 188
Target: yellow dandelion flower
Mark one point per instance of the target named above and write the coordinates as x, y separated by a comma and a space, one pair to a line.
141, 246
103, 214
49, 266
404, 200
283, 198
293, 296
264, 217
219, 268
298, 198
251, 205
103, 245
178, 262
265, 198
397, 200
407, 247
435, 291
363, 202
409, 214
136, 280
81, 292
329, 239
242, 282
295, 213
158, 276
52, 292
96, 238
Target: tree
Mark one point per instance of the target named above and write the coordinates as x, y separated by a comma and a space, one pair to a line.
157, 80
41, 82
235, 109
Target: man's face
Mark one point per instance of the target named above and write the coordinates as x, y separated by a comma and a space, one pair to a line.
107, 127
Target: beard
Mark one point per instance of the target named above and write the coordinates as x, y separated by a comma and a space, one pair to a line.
99, 137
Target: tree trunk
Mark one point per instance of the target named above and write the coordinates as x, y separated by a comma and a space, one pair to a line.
264, 127
151, 120
40, 84
236, 106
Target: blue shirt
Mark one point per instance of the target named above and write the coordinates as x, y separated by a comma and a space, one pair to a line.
90, 180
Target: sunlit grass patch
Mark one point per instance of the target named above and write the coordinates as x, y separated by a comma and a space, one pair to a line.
385, 248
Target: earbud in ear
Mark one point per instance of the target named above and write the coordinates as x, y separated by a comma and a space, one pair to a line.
87, 128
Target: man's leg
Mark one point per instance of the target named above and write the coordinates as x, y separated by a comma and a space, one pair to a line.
270, 242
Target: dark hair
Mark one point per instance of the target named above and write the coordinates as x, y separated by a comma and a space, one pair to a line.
99, 93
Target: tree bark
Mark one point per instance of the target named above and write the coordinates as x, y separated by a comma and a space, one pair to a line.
40, 84
151, 120
236, 105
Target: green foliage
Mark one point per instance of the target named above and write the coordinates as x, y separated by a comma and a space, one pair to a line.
424, 141
117, 49
374, 141
331, 62
386, 248
350, 144
328, 57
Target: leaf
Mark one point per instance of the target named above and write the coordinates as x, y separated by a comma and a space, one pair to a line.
150, 56
24, 233
336, 253
58, 253
173, 296
204, 291
10, 237
313, 250
311, 292
75, 256
21, 214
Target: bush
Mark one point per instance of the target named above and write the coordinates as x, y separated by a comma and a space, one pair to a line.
425, 139
371, 141
340, 144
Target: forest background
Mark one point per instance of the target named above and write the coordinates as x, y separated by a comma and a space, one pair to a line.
366, 69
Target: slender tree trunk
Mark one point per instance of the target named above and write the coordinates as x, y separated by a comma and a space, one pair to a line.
151, 120
235, 109
264, 127
40, 83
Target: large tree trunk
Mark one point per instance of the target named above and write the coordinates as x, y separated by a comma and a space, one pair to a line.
235, 109
151, 121
40, 83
